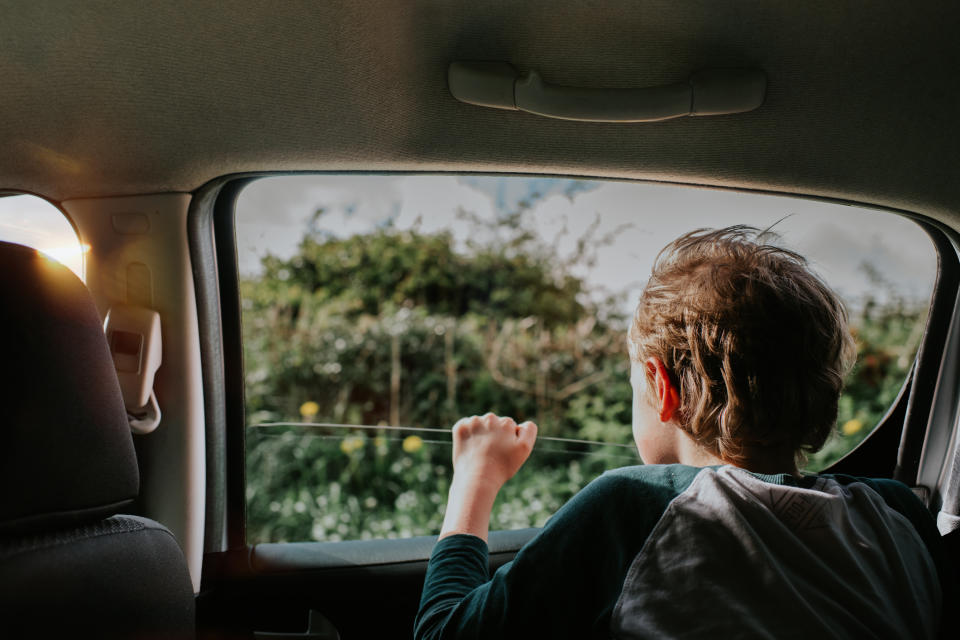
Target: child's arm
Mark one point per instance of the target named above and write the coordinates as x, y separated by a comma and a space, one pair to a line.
565, 582
487, 451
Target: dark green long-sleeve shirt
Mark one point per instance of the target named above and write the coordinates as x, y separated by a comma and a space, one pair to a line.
649, 549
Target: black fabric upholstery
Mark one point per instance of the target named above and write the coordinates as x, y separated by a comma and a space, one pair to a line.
122, 577
67, 456
66, 463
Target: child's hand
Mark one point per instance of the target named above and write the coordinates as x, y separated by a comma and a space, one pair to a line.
490, 449
487, 451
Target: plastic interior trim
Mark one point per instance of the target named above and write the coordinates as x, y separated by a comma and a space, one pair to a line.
708, 92
214, 262
172, 460
234, 426
284, 557
930, 357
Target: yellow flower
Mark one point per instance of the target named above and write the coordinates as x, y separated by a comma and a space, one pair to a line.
412, 443
851, 427
309, 409
379, 441
351, 444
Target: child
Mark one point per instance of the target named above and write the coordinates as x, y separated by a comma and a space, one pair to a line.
738, 356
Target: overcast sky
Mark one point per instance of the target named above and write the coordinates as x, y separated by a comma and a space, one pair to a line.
273, 213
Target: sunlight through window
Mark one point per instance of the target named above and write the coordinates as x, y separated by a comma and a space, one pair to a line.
35, 223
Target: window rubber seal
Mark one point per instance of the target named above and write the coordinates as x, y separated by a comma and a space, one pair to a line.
213, 253
930, 357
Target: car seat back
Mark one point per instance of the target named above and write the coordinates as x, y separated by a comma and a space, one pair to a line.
69, 565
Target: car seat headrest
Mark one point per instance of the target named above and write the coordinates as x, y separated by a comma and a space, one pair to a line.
67, 454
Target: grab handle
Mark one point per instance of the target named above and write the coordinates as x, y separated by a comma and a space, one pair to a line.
708, 92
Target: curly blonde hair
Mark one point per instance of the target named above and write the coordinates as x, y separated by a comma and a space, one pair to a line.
757, 344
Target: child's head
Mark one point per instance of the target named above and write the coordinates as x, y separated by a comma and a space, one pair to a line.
756, 345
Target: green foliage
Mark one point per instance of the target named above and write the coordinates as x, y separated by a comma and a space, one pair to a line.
403, 328
349, 486
311, 486
887, 340
369, 274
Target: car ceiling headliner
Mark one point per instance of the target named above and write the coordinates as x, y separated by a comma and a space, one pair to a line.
116, 98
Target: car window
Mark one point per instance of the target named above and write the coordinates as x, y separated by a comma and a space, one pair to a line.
378, 309
35, 223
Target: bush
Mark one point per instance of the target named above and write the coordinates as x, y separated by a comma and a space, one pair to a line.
397, 328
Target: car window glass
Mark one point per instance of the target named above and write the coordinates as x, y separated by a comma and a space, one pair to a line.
35, 223
378, 309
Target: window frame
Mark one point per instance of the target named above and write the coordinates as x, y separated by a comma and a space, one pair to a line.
905, 428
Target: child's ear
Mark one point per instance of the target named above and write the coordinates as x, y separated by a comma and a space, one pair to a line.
668, 397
